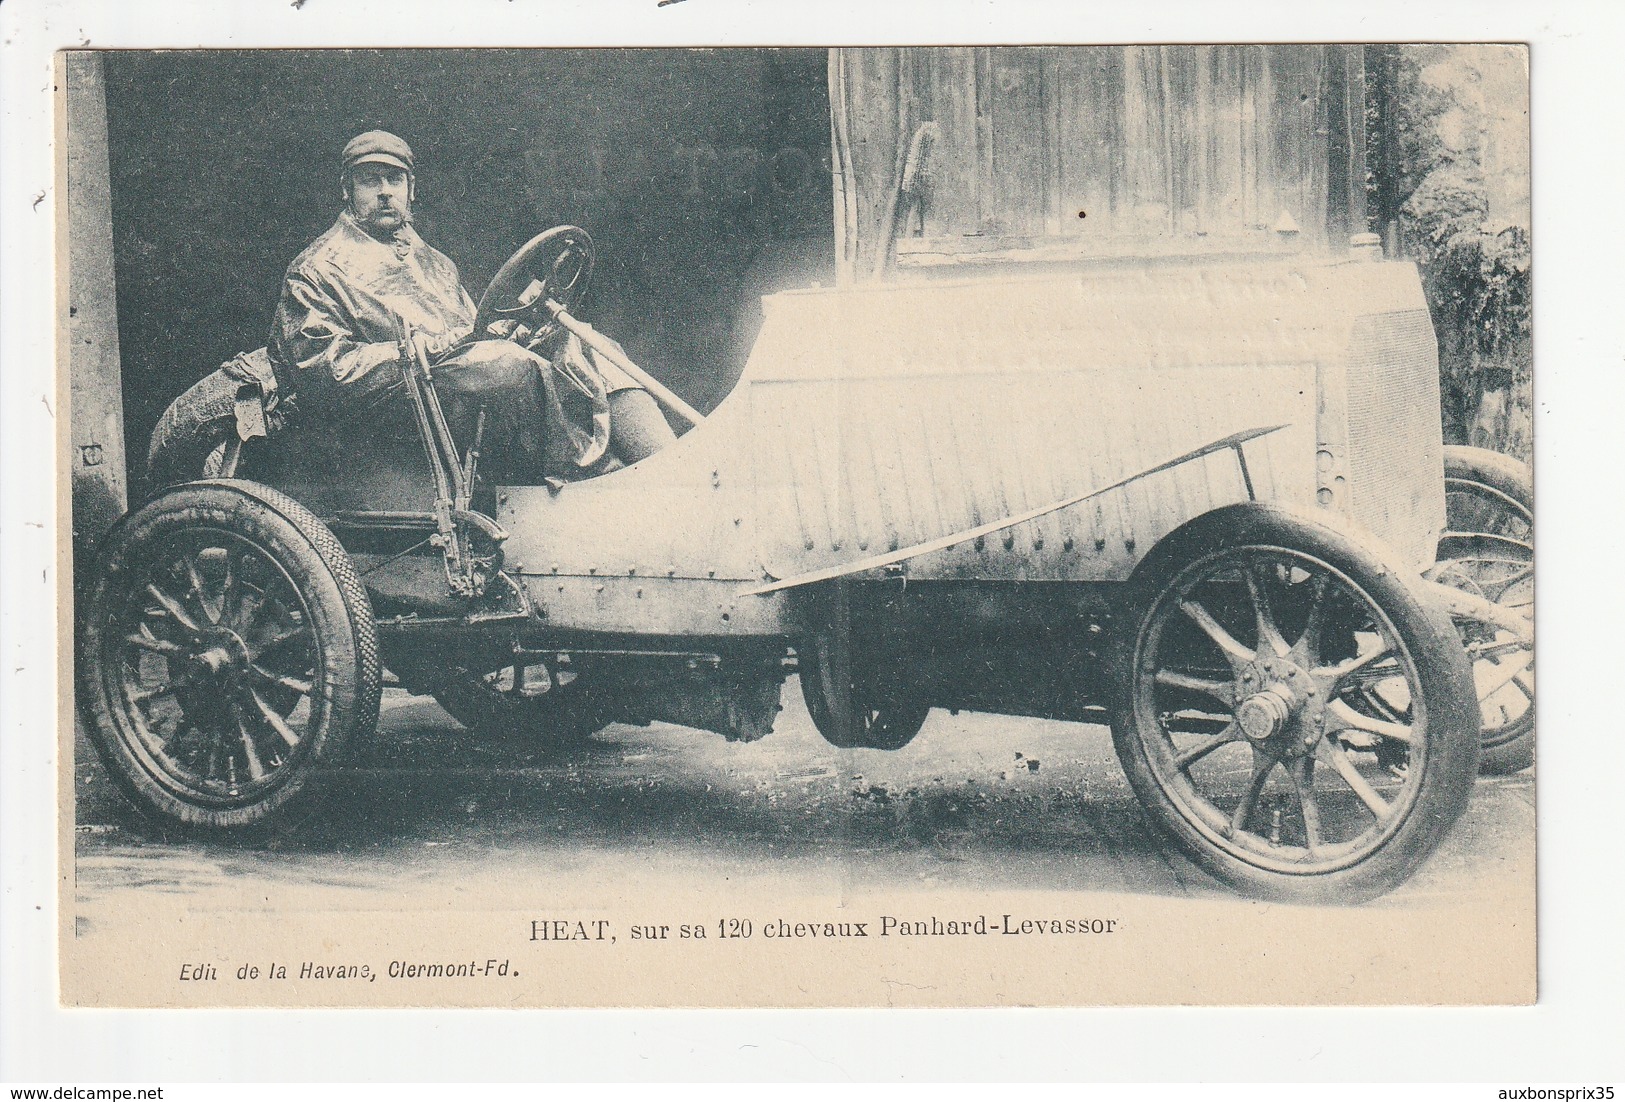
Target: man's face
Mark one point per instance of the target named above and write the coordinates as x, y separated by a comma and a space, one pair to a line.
380, 197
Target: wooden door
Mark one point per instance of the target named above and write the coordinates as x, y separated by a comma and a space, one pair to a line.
1063, 153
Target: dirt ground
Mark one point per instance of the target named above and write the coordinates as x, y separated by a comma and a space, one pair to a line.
994, 801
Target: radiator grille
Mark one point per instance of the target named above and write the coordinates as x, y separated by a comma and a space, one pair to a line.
1396, 460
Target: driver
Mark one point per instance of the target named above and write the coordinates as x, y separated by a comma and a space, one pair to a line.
339, 322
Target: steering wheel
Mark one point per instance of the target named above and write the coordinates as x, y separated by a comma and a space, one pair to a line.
554, 265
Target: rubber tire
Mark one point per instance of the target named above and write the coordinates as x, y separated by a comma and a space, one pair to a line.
895, 728
1508, 475
568, 720
345, 631
190, 430
1442, 669
1510, 751
825, 659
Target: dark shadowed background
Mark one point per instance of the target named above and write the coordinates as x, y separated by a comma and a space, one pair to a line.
703, 176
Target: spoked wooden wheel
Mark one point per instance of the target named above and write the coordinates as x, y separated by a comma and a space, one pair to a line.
227, 654
1488, 549
1290, 710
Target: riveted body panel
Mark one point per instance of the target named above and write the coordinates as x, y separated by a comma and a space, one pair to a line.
875, 419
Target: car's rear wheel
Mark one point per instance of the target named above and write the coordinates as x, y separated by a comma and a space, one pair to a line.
227, 656
1290, 710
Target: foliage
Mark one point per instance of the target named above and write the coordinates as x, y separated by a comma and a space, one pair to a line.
1475, 271
1477, 281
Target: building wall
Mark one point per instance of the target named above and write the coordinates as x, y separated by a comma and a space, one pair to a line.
96, 428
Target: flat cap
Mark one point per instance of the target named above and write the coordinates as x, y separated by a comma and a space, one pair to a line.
377, 146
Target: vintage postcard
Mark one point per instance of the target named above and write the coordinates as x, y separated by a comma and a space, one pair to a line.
896, 526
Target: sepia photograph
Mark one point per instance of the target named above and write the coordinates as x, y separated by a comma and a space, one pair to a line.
797, 527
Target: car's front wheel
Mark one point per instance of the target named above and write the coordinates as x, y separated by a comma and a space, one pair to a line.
1290, 710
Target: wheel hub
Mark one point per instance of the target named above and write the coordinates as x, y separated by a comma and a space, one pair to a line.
219, 654
1278, 704
1264, 715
